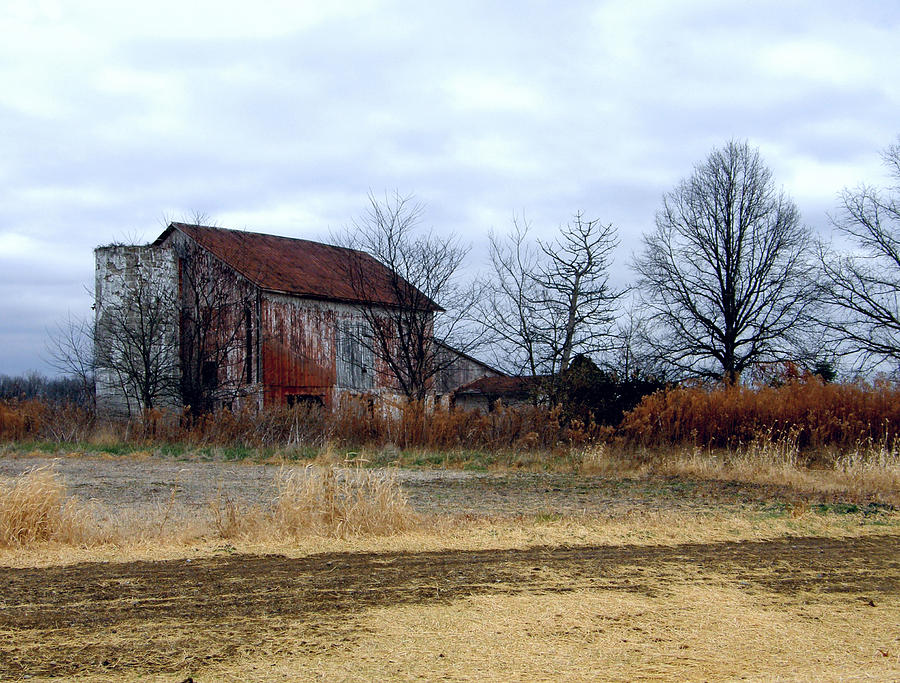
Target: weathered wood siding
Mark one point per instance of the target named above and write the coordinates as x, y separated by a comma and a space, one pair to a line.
297, 349
459, 369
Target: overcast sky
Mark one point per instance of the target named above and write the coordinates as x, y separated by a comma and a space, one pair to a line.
280, 116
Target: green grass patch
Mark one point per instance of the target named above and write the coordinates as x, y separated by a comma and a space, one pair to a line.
852, 508
547, 517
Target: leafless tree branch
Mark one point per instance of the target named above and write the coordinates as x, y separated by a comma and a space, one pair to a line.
861, 289
422, 308
547, 301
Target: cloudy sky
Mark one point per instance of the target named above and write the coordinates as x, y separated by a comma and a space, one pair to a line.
280, 117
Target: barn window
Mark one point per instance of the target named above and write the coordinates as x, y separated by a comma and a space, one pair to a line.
354, 355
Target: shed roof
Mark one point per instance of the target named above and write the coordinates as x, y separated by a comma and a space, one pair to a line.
302, 267
500, 386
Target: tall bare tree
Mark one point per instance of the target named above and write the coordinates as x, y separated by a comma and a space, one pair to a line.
576, 304
548, 301
420, 309
509, 308
726, 275
861, 289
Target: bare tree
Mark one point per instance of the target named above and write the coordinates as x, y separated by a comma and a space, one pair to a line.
861, 289
576, 305
136, 340
509, 309
70, 348
549, 301
420, 307
726, 275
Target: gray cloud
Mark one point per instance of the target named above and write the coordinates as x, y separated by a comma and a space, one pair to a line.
282, 117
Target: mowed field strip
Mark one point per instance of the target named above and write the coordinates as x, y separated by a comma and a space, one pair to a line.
682, 580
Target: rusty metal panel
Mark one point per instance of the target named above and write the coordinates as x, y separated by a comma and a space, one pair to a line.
297, 349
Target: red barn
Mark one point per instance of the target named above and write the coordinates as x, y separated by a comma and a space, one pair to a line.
261, 320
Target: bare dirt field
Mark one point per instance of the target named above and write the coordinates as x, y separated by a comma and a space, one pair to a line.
798, 607
129, 481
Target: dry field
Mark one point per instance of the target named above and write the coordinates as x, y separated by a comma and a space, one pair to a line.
502, 576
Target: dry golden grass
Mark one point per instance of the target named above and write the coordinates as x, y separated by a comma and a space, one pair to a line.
686, 622
34, 508
341, 502
692, 632
36, 513
315, 501
188, 535
865, 472
320, 509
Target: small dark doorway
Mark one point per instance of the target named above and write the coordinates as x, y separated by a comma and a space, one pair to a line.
305, 400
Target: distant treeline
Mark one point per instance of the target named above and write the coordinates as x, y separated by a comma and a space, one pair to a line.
34, 385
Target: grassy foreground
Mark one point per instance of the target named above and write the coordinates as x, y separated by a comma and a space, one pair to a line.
339, 579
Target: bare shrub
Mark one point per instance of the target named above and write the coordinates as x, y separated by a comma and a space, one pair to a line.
356, 422
12, 423
35, 419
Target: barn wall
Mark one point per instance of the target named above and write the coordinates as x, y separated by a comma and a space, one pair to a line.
459, 370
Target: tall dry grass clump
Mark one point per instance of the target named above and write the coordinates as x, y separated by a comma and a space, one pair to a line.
811, 413
341, 502
34, 508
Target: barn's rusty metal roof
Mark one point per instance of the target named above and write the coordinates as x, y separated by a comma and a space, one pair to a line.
302, 267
